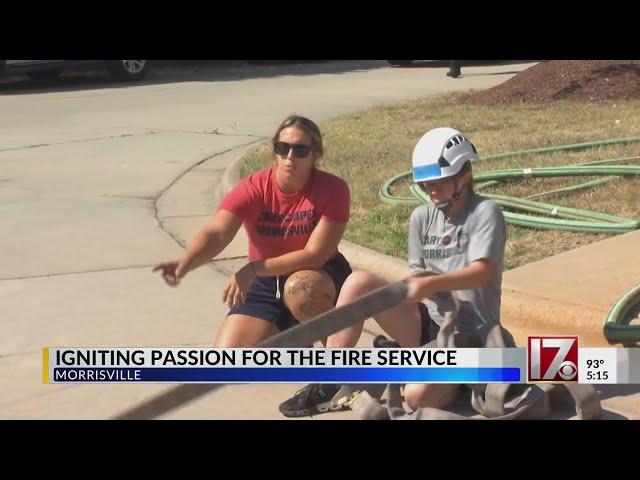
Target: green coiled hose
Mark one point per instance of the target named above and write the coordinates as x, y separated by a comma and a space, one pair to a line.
562, 218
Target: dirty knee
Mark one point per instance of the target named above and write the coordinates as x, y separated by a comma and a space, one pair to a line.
308, 293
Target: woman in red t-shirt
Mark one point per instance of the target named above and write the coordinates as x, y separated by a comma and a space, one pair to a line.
294, 215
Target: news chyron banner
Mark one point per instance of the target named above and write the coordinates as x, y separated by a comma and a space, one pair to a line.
547, 359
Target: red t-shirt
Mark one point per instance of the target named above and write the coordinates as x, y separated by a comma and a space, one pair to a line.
279, 223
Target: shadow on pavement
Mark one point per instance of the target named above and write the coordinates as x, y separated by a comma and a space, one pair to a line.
173, 71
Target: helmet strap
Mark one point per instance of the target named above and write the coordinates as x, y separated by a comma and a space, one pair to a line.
456, 194
446, 206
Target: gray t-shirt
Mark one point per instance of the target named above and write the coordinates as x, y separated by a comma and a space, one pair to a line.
443, 245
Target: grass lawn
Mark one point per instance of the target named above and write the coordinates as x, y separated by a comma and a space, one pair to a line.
369, 147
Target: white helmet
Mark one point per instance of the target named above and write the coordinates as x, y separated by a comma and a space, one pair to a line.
441, 153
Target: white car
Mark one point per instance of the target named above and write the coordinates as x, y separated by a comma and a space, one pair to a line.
124, 70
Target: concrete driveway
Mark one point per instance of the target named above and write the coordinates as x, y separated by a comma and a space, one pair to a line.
84, 165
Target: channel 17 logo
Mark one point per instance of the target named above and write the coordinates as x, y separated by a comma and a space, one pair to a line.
553, 359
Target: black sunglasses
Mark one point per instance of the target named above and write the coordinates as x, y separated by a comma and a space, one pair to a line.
300, 151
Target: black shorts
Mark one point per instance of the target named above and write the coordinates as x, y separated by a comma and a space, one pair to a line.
261, 301
430, 328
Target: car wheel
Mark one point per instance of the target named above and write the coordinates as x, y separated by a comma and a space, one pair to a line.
400, 63
128, 70
44, 75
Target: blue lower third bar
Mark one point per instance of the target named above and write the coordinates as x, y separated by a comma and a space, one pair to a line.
288, 375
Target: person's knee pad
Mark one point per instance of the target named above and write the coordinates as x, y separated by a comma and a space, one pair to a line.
308, 293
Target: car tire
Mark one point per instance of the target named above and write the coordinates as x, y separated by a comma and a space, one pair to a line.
128, 70
400, 63
45, 75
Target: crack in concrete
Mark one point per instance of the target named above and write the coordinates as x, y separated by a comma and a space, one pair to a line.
18, 354
162, 226
187, 216
76, 273
132, 197
216, 131
39, 351
203, 132
66, 143
115, 269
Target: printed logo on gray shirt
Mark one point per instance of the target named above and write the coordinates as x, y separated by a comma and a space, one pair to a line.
442, 245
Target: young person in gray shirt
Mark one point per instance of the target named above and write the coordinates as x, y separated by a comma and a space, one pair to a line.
460, 238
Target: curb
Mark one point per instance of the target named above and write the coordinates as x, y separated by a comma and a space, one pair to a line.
231, 174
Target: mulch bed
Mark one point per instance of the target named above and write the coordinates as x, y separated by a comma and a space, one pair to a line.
588, 80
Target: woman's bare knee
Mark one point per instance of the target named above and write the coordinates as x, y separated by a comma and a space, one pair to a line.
359, 283
402, 322
308, 293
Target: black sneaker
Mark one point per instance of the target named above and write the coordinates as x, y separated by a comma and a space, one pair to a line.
383, 342
312, 399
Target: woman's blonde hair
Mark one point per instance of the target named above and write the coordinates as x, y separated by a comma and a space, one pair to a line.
307, 126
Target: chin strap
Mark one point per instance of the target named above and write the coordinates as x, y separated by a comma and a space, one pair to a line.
446, 207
